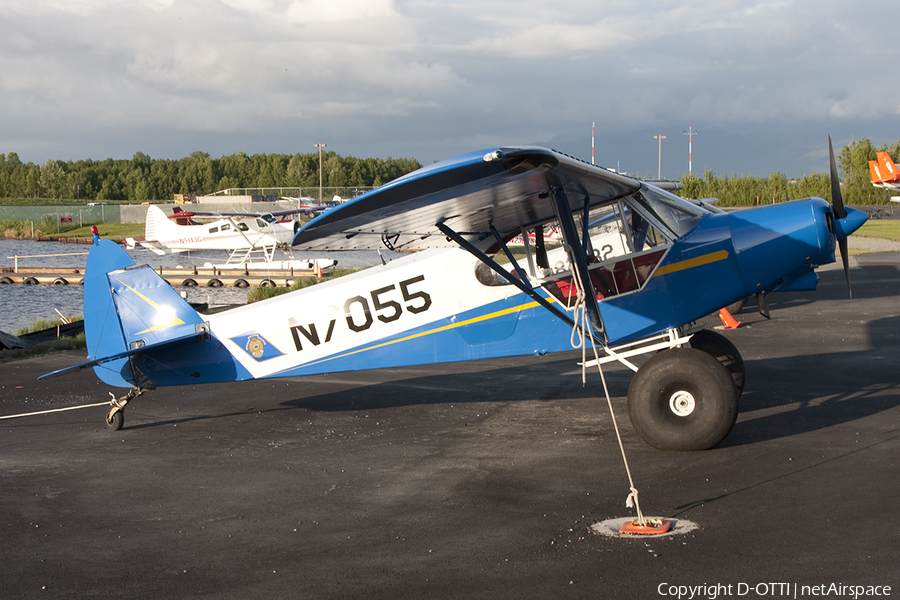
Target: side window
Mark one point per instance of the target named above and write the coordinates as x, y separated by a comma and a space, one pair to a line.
487, 276
213, 229
226, 227
625, 242
625, 247
243, 226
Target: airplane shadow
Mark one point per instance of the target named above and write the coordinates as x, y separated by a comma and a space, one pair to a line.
834, 387
784, 396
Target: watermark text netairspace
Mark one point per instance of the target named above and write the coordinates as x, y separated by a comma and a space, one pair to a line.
712, 591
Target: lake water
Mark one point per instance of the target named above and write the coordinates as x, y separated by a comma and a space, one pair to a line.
20, 305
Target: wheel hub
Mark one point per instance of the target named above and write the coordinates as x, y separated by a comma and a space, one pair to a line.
682, 403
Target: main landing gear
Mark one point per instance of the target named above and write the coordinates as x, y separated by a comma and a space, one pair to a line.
682, 399
686, 396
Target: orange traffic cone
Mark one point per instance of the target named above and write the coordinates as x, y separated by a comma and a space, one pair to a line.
317, 270
727, 320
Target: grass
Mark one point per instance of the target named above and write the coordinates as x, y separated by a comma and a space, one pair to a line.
887, 229
108, 231
264, 293
22, 230
42, 324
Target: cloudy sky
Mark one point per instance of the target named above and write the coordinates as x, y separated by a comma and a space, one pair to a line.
761, 82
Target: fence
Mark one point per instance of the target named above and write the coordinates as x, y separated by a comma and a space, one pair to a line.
101, 213
136, 213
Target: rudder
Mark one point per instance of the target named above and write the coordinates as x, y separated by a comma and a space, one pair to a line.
888, 167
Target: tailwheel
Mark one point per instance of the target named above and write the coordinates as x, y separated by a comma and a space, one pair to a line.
720, 347
115, 418
683, 399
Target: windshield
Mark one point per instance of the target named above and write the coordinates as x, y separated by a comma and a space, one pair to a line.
677, 214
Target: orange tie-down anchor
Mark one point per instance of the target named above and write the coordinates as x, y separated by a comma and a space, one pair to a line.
650, 527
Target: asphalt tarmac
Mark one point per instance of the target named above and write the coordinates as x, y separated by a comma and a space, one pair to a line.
473, 480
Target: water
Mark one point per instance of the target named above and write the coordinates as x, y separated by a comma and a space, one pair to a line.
20, 305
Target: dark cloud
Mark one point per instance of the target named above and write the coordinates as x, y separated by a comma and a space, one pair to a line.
762, 82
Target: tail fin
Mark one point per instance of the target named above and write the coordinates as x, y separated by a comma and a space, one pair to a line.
126, 309
888, 167
157, 223
141, 333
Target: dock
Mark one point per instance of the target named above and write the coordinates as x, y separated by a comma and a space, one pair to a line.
212, 276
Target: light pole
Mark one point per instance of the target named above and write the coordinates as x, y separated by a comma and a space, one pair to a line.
690, 133
659, 137
320, 146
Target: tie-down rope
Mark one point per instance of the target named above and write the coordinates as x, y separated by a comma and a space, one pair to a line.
580, 306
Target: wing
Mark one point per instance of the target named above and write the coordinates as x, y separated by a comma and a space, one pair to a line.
506, 188
249, 215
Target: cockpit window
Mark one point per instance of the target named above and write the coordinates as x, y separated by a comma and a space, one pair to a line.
624, 240
679, 215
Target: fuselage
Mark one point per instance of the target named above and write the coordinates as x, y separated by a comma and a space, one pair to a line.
232, 233
433, 306
444, 305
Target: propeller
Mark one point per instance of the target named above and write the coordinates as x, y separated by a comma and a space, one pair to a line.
837, 207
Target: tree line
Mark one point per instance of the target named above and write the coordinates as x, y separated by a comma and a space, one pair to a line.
143, 178
853, 167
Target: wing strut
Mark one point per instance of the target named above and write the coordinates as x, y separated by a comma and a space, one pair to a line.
509, 256
577, 258
519, 283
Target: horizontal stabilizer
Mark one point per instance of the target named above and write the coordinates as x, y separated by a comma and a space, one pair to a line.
201, 331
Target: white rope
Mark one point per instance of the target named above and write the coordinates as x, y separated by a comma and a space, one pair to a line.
632, 499
46, 412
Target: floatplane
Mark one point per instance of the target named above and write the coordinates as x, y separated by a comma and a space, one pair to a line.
251, 239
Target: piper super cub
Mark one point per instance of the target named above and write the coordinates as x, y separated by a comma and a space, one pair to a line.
636, 264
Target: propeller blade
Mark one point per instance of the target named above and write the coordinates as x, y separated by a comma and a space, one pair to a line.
837, 201
837, 206
845, 257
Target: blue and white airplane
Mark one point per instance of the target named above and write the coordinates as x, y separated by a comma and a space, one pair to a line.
636, 265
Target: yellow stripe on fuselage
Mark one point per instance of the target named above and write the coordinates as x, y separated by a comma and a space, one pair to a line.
493, 315
692, 262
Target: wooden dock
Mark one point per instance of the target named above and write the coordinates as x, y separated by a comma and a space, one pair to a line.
185, 277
